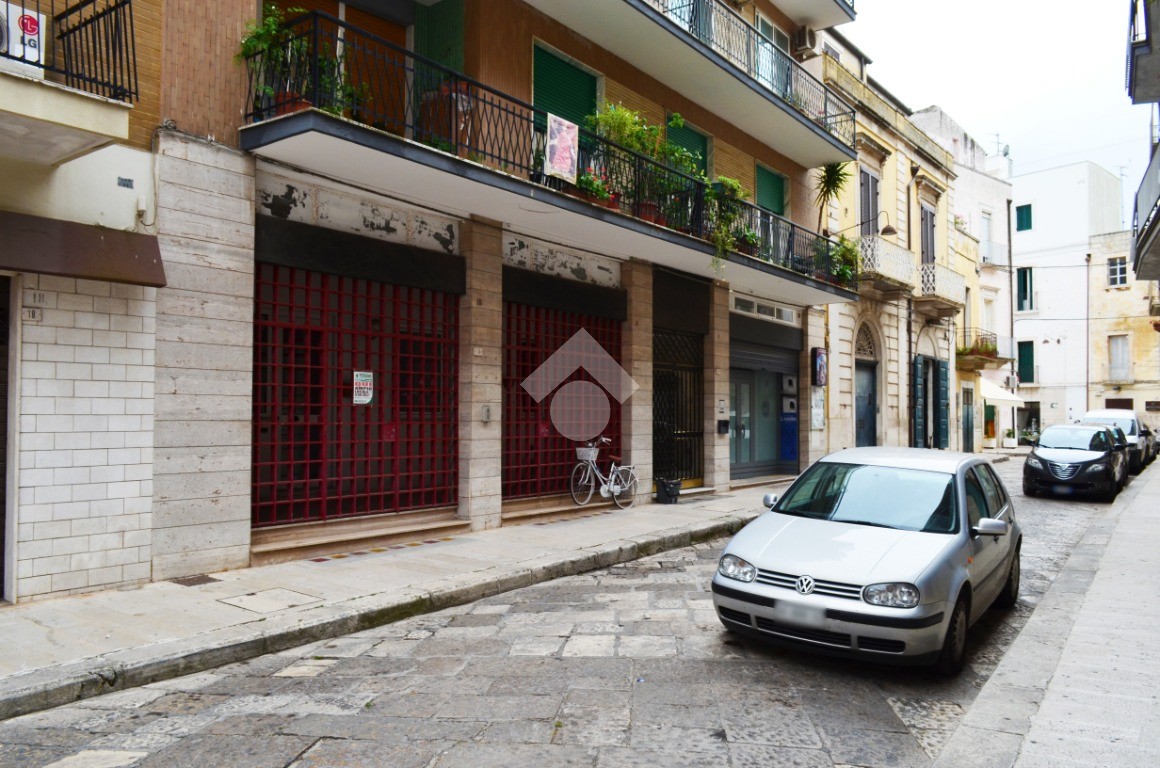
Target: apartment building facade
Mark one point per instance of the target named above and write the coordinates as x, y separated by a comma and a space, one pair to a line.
893, 349
1057, 212
358, 251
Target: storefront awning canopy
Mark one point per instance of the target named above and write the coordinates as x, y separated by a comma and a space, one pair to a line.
996, 395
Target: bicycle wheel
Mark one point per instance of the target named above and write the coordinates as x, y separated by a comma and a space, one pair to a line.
626, 481
582, 483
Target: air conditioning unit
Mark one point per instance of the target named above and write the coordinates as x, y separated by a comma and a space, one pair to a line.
805, 42
1012, 382
22, 32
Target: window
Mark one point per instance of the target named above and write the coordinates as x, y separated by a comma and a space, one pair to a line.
694, 141
987, 249
1118, 270
1026, 362
1022, 218
869, 202
562, 88
832, 51
1025, 296
927, 235
770, 191
773, 61
1119, 365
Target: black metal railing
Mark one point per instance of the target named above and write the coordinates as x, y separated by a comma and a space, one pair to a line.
330, 65
88, 45
730, 35
977, 342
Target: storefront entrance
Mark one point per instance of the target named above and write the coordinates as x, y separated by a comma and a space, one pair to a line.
679, 407
355, 397
754, 432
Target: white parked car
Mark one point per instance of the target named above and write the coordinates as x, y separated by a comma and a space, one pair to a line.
884, 553
1138, 449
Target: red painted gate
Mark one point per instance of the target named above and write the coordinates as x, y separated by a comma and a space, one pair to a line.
355, 397
538, 460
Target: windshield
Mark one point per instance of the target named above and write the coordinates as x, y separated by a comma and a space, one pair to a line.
889, 497
1070, 437
1128, 425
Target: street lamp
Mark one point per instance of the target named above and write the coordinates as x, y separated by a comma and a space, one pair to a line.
887, 231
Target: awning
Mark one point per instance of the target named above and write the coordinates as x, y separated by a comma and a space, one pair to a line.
995, 395
69, 249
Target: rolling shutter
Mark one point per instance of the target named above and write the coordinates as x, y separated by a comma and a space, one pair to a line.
563, 89
770, 191
687, 138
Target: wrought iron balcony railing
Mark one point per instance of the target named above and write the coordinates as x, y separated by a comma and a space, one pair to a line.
723, 30
733, 37
976, 342
1147, 197
330, 65
87, 45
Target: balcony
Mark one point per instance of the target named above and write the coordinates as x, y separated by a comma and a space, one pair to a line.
992, 254
979, 350
1119, 374
704, 49
382, 118
67, 78
942, 292
1143, 69
887, 269
818, 15
1145, 219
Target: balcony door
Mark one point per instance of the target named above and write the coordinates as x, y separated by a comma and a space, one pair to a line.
773, 62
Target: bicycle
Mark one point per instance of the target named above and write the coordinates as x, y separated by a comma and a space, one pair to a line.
620, 482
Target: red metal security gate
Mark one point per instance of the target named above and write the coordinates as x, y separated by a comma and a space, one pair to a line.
321, 452
537, 459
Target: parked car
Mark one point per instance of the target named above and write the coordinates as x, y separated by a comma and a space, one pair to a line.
1130, 423
1149, 434
1076, 458
888, 554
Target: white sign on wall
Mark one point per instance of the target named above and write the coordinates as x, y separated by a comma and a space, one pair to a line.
364, 387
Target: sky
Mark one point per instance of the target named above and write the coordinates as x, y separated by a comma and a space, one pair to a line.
1046, 78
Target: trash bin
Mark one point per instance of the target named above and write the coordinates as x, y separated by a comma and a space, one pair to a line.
668, 491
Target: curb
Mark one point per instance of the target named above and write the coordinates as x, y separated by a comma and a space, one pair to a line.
50, 687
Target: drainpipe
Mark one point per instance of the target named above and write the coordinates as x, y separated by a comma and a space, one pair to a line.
1087, 321
1011, 307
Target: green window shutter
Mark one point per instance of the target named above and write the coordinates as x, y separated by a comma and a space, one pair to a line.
563, 89
697, 143
770, 191
944, 405
1022, 218
1026, 362
918, 407
439, 32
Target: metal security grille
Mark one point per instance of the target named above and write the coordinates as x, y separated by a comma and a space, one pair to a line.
318, 454
537, 459
678, 405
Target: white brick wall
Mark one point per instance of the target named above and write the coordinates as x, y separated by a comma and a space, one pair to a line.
86, 437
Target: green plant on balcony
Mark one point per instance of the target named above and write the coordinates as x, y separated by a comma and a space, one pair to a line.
336, 92
746, 240
981, 347
594, 184
724, 203
832, 179
273, 53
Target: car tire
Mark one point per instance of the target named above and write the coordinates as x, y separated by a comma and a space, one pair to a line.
1029, 491
1111, 493
954, 650
1010, 594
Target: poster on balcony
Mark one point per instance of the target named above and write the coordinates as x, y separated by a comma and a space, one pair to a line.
563, 142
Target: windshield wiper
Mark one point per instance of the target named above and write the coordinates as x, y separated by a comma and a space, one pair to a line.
867, 522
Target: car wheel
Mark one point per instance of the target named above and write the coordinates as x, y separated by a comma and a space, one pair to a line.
954, 650
1028, 490
1111, 493
1010, 594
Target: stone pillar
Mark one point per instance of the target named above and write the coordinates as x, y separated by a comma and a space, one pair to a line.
717, 387
480, 375
636, 416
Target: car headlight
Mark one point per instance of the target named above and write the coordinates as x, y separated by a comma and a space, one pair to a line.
1034, 462
1099, 466
892, 595
733, 567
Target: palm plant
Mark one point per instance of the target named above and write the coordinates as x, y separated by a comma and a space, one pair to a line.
832, 179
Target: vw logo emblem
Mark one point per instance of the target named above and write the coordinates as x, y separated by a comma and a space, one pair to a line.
805, 584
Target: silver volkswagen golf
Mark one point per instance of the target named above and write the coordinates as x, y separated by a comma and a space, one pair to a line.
884, 553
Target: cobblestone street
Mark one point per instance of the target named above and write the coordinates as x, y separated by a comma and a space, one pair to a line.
627, 666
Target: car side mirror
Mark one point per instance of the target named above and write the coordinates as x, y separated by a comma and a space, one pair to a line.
768, 500
989, 526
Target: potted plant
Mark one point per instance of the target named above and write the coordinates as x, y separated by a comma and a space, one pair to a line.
746, 240
1009, 438
276, 59
832, 179
593, 185
724, 201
